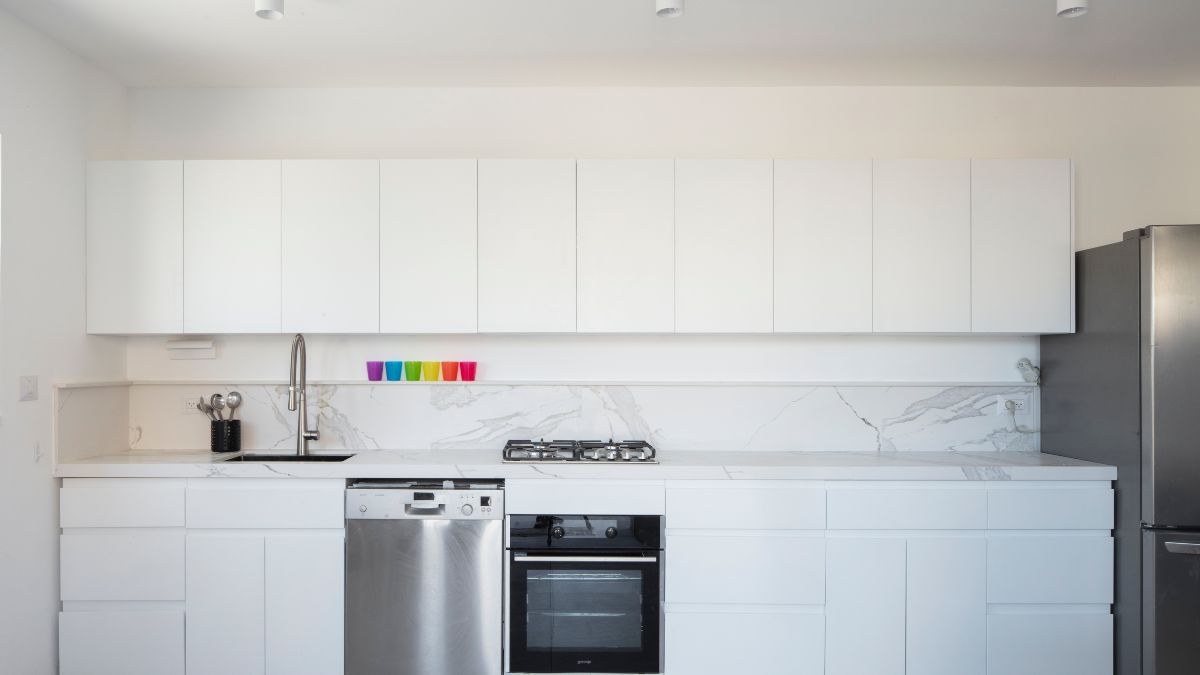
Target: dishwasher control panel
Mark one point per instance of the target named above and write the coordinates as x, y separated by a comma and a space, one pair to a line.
449, 500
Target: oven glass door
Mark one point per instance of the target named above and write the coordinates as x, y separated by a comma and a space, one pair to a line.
585, 614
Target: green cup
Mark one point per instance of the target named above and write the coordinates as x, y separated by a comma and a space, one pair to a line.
412, 371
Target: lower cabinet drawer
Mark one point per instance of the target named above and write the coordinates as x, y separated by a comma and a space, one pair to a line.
1050, 644
720, 643
265, 504
122, 567
1071, 569
120, 643
746, 570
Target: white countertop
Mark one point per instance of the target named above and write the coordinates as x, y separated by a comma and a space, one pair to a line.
678, 465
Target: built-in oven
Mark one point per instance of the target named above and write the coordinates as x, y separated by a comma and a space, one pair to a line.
585, 594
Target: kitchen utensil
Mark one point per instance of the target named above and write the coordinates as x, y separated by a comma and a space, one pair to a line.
374, 370
467, 368
394, 370
217, 402
429, 370
412, 370
205, 408
449, 371
233, 399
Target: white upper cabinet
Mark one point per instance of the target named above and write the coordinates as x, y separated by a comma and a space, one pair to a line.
922, 249
135, 247
231, 243
331, 246
1021, 246
822, 246
427, 220
723, 229
527, 246
626, 246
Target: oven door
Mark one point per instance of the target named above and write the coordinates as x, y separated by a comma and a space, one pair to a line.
585, 613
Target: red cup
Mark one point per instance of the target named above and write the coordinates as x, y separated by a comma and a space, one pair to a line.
449, 371
467, 368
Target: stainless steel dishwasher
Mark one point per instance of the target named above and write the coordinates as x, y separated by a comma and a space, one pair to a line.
424, 578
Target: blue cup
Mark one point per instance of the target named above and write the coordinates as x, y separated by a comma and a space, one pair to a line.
394, 369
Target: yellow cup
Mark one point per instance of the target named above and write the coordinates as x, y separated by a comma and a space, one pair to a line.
430, 370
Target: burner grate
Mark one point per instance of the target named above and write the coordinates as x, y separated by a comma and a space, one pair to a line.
629, 452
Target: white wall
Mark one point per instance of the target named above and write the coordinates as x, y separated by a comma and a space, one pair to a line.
1137, 149
54, 112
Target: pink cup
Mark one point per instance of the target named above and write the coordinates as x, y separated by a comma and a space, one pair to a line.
449, 371
467, 369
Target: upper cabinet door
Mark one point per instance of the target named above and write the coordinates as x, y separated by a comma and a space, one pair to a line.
626, 246
427, 234
1021, 246
135, 247
331, 246
922, 246
231, 243
723, 246
527, 246
823, 246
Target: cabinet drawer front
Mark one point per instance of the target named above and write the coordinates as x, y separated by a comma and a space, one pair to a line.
1050, 644
120, 643
750, 508
1050, 509
746, 570
720, 643
1050, 569
106, 566
907, 509
241, 504
610, 498
132, 503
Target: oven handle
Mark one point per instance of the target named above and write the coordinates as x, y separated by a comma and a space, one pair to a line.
521, 557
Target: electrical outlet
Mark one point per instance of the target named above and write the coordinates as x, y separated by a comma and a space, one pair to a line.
1012, 404
27, 386
191, 404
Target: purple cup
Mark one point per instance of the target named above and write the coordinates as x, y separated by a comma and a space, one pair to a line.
466, 369
374, 370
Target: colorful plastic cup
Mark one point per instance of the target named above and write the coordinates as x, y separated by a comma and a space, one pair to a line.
449, 371
374, 370
429, 370
394, 370
412, 371
467, 369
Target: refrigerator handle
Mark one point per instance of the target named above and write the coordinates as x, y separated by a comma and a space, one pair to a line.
1186, 548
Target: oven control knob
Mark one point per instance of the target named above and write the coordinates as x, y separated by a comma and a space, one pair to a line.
467, 509
558, 532
611, 533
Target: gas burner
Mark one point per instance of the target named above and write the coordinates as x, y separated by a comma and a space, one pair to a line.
626, 452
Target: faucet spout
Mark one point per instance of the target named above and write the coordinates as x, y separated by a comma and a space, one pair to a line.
297, 390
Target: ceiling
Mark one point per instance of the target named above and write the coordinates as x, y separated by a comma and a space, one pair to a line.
353, 43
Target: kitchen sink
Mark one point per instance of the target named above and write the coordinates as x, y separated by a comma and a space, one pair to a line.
288, 458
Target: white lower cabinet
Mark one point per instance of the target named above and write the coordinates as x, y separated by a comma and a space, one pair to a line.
945, 624
225, 596
1049, 643
865, 606
121, 642
730, 642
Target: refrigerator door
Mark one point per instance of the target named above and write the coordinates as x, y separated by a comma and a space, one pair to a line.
1171, 603
1171, 376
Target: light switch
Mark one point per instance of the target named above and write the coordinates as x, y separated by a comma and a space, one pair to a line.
27, 385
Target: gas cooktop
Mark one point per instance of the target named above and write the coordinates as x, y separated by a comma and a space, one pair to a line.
629, 452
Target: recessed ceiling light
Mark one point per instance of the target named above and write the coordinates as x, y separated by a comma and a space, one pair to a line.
271, 10
1069, 9
668, 9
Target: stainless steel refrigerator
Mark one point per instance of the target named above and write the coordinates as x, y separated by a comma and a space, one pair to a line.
1125, 390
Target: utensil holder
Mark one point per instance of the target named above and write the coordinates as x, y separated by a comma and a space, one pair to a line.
226, 435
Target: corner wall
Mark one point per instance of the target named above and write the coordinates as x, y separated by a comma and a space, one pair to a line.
55, 111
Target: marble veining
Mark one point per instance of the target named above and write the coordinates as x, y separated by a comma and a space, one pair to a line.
374, 416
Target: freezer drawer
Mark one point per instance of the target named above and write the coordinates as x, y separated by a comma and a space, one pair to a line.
1171, 603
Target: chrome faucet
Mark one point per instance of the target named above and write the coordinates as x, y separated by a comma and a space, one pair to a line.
296, 395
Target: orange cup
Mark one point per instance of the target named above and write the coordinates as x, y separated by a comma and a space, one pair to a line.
449, 371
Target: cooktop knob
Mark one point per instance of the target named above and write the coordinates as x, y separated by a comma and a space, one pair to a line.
558, 532
467, 509
611, 533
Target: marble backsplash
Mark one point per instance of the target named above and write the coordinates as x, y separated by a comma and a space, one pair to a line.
367, 416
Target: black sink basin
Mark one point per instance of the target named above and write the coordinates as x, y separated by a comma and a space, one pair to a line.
288, 458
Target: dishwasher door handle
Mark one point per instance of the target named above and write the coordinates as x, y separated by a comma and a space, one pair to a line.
425, 509
521, 558
1184, 547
